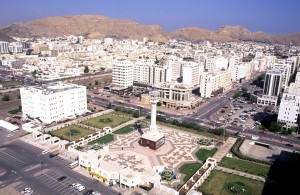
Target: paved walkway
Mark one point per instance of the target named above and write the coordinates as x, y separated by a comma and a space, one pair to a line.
224, 149
240, 173
127, 123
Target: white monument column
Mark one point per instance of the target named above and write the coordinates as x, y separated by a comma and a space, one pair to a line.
153, 100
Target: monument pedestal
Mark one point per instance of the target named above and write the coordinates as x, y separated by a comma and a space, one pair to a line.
152, 139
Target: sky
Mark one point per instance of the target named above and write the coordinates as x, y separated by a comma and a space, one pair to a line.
270, 16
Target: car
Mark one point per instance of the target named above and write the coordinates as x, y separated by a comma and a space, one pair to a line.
89, 192
289, 145
262, 132
96, 193
27, 191
62, 178
45, 152
80, 188
9, 135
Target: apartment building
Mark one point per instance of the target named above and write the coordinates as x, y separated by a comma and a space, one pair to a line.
53, 102
289, 109
190, 73
214, 83
4, 49
122, 73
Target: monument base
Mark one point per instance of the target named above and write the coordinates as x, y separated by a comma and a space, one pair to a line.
152, 139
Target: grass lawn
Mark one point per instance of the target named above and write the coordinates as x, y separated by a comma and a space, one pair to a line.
103, 140
124, 130
10, 83
16, 111
246, 166
203, 154
218, 181
109, 120
203, 133
76, 132
189, 169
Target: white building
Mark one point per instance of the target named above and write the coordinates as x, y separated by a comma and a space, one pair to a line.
289, 109
122, 73
215, 83
190, 73
285, 69
53, 102
4, 47
146, 71
238, 73
272, 88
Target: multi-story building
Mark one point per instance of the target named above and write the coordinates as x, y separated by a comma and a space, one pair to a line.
238, 73
289, 109
272, 88
4, 47
190, 73
146, 71
122, 74
285, 69
174, 95
53, 102
214, 83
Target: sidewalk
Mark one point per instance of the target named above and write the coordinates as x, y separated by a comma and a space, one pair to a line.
240, 173
127, 123
224, 149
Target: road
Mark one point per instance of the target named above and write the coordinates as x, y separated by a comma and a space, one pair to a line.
203, 115
22, 164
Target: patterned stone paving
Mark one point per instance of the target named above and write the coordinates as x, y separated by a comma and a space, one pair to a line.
178, 149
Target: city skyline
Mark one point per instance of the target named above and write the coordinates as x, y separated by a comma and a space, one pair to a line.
272, 17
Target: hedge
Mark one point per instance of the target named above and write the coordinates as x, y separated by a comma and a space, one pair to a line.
236, 151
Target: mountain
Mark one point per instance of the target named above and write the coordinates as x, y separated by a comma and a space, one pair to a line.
96, 26
4, 37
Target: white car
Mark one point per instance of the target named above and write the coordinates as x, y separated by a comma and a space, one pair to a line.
80, 188
9, 135
256, 138
27, 191
45, 152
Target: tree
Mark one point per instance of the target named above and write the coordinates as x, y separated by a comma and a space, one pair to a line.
6, 98
158, 103
86, 69
236, 95
244, 89
109, 105
96, 82
136, 114
275, 127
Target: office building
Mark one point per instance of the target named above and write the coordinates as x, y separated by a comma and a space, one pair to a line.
272, 88
53, 102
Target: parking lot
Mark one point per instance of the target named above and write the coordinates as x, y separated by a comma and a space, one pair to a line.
23, 166
50, 178
240, 113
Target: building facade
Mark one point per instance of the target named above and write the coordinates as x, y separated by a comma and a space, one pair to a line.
122, 74
54, 102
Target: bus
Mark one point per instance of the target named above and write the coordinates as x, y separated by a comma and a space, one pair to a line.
73, 165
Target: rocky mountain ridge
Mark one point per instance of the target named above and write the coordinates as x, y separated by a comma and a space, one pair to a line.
96, 26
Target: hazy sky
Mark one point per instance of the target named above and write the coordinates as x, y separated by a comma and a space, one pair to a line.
270, 16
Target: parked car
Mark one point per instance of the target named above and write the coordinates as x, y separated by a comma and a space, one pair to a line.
62, 178
289, 145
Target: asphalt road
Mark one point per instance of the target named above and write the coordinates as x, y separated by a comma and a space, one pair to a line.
23, 163
202, 116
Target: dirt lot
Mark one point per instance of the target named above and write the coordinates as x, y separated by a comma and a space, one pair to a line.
14, 101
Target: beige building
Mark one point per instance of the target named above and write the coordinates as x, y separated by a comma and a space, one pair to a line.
214, 83
177, 95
